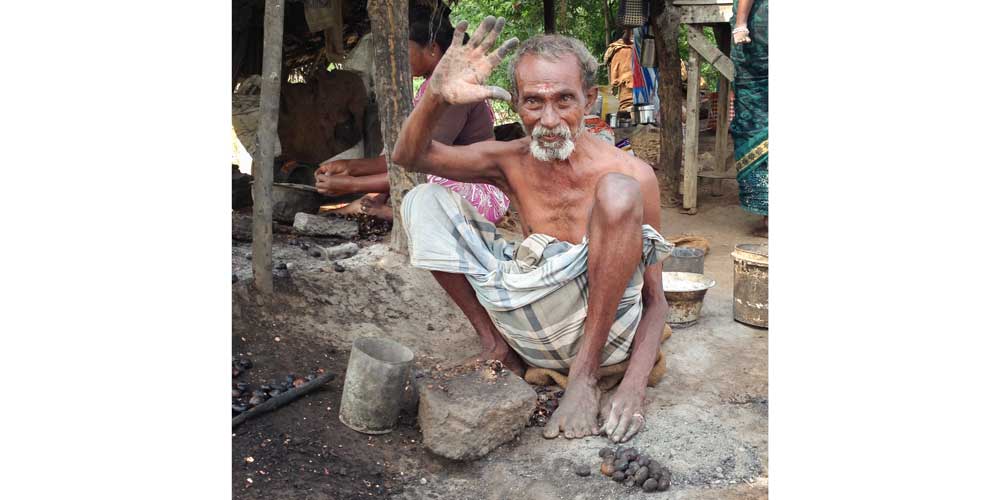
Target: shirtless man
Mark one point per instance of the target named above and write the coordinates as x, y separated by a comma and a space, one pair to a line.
584, 288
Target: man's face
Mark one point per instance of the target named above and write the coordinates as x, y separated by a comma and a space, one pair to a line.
552, 103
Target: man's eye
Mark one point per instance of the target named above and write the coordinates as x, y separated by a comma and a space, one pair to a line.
567, 98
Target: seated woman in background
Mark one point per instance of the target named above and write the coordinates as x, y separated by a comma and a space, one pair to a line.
430, 36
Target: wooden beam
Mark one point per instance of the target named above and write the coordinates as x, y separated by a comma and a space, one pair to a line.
394, 93
703, 2
549, 13
267, 133
710, 52
705, 14
690, 184
723, 38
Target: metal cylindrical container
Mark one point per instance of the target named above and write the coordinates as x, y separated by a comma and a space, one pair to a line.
750, 284
685, 260
647, 113
373, 386
685, 294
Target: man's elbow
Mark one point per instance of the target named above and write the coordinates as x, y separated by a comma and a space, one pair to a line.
401, 157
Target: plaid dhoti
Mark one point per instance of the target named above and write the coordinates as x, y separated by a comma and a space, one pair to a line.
534, 291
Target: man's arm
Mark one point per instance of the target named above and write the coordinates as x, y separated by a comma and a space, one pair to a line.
622, 422
457, 79
654, 305
416, 151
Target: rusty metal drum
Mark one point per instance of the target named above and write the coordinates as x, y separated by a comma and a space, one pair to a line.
750, 284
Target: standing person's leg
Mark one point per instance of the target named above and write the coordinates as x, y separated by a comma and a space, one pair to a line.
615, 250
492, 344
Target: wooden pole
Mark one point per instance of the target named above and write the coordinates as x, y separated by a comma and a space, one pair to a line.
666, 28
394, 92
690, 189
721, 134
267, 132
723, 39
549, 14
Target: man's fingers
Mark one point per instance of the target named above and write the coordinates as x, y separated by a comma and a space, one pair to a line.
459, 37
492, 36
623, 425
498, 94
638, 422
504, 49
612, 423
482, 30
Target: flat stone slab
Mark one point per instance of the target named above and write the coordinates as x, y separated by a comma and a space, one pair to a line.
466, 416
316, 225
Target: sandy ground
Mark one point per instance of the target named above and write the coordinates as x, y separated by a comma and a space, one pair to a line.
707, 419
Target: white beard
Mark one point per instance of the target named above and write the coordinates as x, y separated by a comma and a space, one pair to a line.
547, 152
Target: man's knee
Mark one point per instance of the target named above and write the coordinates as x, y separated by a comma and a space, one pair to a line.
619, 198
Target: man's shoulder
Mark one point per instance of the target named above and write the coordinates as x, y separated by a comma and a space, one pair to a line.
624, 162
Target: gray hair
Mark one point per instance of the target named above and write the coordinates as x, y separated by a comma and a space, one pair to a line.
550, 47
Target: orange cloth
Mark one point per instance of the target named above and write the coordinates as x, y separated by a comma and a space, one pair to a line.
619, 60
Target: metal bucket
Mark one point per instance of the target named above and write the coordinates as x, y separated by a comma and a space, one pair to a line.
647, 113
685, 294
377, 373
685, 260
750, 284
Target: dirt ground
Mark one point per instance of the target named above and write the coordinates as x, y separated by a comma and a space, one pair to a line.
707, 419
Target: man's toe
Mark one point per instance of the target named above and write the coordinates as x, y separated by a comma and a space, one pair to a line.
551, 429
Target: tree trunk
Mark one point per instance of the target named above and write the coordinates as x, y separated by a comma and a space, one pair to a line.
666, 26
394, 93
606, 8
267, 132
549, 16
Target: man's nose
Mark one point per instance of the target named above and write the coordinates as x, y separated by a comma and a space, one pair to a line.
550, 119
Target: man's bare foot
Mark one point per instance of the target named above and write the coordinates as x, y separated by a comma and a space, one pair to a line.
377, 206
622, 413
576, 416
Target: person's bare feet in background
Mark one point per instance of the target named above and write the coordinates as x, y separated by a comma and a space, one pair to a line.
377, 206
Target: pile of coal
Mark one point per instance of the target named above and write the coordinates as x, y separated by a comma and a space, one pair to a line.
245, 396
634, 469
546, 403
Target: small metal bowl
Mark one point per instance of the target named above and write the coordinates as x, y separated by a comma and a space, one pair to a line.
685, 294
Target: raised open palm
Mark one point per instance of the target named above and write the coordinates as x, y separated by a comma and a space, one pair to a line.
460, 74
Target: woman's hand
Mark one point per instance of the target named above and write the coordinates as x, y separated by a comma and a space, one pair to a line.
335, 167
741, 35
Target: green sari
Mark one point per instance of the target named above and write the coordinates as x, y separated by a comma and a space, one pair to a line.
749, 126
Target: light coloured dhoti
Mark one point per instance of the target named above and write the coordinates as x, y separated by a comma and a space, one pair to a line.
534, 291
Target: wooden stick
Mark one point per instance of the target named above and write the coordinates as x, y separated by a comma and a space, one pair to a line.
690, 182
267, 132
283, 398
721, 134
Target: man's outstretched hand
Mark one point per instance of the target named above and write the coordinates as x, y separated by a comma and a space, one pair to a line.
460, 74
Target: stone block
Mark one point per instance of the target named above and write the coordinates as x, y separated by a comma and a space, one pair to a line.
317, 225
467, 416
